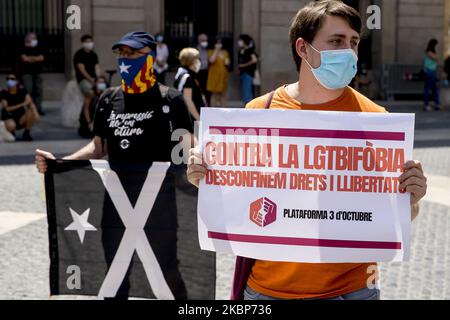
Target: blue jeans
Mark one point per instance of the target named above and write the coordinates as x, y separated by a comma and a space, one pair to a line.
431, 82
363, 294
246, 87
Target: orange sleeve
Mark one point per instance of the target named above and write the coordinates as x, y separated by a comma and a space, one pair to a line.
258, 103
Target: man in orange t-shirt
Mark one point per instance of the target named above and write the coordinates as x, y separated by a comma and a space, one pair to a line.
324, 38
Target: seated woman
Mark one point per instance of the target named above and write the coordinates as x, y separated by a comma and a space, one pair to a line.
85, 129
18, 109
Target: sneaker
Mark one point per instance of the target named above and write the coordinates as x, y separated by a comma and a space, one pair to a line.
427, 108
27, 136
5, 135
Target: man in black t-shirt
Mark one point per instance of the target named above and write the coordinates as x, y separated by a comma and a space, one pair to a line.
18, 109
135, 125
87, 69
32, 59
139, 127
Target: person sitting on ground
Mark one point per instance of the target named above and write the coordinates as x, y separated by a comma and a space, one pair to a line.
87, 69
101, 84
18, 109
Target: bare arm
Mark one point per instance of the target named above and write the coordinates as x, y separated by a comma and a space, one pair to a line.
27, 101
94, 150
83, 71
187, 94
433, 55
25, 58
213, 58
251, 62
33, 59
414, 181
98, 70
39, 58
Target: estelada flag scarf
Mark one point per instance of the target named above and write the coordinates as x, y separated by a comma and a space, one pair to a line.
137, 74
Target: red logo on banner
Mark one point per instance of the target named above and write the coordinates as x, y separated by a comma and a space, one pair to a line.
263, 212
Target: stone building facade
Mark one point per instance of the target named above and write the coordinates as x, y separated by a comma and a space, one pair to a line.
406, 27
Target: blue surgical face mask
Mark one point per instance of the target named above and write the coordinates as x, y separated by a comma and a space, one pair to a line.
11, 83
101, 87
337, 69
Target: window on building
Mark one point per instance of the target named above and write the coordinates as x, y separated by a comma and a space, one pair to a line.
45, 17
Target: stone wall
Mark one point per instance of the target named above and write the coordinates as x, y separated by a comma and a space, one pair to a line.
407, 26
277, 65
418, 22
108, 21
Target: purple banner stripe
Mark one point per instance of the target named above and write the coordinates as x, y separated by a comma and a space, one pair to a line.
309, 133
306, 242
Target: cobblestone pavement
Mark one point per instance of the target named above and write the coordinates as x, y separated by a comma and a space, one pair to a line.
23, 227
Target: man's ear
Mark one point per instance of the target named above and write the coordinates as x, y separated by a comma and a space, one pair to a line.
300, 46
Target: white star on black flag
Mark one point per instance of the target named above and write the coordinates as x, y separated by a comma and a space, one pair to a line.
80, 224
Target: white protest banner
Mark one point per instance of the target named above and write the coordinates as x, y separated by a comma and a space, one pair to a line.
305, 186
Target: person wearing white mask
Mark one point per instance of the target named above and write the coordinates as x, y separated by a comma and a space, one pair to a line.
186, 81
32, 59
87, 69
101, 85
203, 46
18, 109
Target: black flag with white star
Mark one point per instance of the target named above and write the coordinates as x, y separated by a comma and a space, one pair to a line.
118, 231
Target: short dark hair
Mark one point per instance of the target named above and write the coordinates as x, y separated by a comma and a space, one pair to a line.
310, 19
432, 45
246, 38
86, 37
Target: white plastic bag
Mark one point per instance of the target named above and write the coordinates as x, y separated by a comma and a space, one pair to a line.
72, 104
257, 78
5, 135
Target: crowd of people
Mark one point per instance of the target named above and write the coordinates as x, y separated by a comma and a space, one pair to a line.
21, 100
202, 78
204, 73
